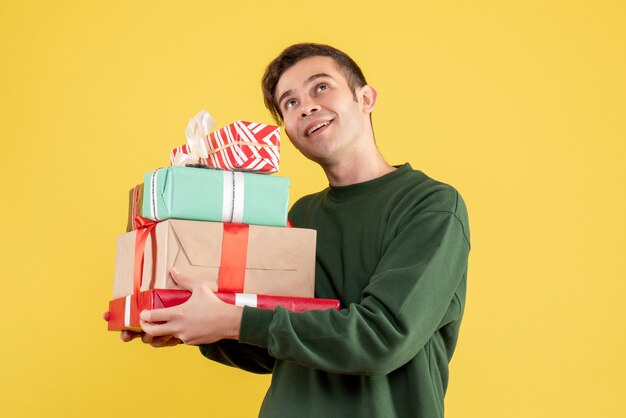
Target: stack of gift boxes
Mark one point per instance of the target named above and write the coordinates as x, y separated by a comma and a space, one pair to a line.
216, 216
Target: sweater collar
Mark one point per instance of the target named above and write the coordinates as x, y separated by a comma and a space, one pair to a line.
344, 193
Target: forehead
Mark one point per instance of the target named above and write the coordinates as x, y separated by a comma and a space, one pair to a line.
297, 75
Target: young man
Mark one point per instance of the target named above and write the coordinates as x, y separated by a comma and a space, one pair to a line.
392, 247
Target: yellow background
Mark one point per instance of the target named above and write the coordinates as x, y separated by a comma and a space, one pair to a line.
520, 105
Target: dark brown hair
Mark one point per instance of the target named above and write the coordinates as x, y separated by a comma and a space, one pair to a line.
293, 54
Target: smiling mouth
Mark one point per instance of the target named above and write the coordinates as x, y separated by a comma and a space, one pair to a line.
317, 127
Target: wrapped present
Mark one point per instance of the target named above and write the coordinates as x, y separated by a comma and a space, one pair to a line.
215, 195
124, 312
236, 258
240, 146
135, 203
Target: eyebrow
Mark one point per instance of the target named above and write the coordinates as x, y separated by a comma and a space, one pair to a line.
308, 80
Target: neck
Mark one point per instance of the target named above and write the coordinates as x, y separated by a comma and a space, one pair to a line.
368, 164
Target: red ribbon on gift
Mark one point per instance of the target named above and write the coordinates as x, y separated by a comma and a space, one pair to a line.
145, 227
232, 273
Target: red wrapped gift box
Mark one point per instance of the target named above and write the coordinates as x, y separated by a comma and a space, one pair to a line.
242, 146
124, 312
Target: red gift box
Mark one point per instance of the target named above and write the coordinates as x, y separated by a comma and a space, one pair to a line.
241, 146
124, 312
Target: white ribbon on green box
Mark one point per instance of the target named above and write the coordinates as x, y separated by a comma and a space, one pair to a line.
232, 201
215, 195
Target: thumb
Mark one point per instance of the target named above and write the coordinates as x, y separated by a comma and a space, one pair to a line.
184, 281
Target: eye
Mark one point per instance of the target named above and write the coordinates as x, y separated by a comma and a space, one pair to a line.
288, 104
321, 87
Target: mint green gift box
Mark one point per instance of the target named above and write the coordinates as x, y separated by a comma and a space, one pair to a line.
202, 194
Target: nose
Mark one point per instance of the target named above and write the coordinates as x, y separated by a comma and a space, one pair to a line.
309, 109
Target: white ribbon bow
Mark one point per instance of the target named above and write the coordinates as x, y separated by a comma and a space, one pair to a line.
198, 128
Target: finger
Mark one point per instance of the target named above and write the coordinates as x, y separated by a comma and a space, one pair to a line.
165, 341
193, 285
158, 342
174, 341
156, 330
127, 335
105, 316
158, 315
184, 281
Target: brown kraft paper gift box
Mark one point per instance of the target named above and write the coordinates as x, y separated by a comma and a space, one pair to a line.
279, 261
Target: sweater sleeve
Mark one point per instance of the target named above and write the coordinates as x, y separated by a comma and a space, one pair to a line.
403, 305
232, 353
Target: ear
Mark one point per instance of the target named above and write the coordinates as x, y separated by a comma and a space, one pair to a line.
368, 97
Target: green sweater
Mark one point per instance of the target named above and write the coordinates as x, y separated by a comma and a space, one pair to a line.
394, 251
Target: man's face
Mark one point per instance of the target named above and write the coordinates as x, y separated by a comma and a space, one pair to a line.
320, 113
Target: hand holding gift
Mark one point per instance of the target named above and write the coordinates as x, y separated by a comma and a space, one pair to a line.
203, 319
156, 342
